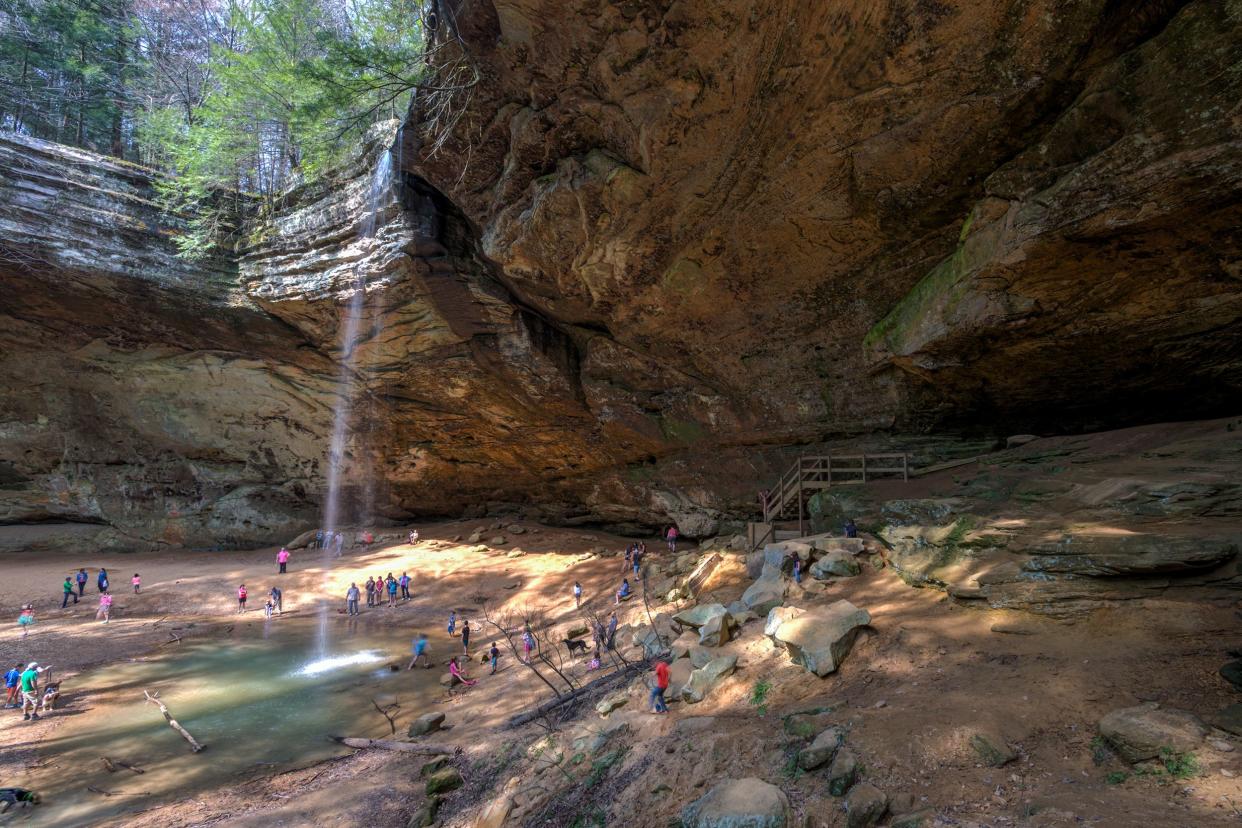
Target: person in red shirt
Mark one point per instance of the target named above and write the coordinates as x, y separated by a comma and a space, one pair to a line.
661, 684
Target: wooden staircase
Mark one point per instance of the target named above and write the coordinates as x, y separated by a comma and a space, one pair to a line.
808, 474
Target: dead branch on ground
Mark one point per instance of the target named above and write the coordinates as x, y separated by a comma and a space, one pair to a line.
154, 698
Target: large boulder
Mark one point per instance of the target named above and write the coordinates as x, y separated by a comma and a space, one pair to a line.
717, 630
706, 677
820, 638
992, 749
681, 645
865, 806
843, 772
822, 750
835, 564
738, 803
444, 780
765, 593
426, 723
698, 615
778, 616
1139, 733
849, 546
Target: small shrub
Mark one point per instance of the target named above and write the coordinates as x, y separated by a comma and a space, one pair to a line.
1116, 777
759, 695
1179, 765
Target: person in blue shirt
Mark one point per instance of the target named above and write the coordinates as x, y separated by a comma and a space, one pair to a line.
82, 578
420, 651
10, 684
102, 580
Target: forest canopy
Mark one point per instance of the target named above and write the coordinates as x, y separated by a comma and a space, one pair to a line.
232, 98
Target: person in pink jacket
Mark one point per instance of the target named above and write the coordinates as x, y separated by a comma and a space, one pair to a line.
282, 560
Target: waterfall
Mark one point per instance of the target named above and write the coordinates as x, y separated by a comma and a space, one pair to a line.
355, 309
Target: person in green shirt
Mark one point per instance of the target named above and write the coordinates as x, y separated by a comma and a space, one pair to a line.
29, 682
67, 586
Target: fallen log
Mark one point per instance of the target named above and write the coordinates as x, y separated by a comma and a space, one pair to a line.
602, 683
404, 747
195, 747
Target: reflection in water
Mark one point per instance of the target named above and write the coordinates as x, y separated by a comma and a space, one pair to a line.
255, 703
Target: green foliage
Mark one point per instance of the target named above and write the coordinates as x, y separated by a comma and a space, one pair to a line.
1179, 765
759, 695
601, 766
1116, 777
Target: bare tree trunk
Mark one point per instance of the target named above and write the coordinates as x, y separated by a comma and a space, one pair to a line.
155, 699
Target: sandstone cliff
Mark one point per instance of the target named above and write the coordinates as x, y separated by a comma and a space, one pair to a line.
663, 245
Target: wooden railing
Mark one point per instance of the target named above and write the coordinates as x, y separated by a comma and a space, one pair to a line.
821, 471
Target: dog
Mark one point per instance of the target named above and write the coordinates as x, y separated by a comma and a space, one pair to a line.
51, 695
575, 646
17, 796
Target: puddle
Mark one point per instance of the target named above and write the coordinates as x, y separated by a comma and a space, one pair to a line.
258, 702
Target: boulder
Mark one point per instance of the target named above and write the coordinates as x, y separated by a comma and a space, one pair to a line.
700, 656
611, 702
820, 638
445, 779
515, 529
1139, 733
922, 818
740, 618
865, 806
835, 565
764, 594
475, 536
991, 749
717, 630
778, 616
822, 750
698, 615
1228, 719
303, 540
1232, 673
843, 772
498, 540
682, 645
808, 724
426, 723
738, 803
497, 811
706, 677
848, 546
666, 626
649, 640
432, 765
426, 815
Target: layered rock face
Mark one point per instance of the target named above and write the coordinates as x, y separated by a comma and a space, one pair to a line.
659, 248
146, 400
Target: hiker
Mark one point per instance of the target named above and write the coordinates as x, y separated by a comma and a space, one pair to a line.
405, 586
465, 636
319, 539
624, 592
420, 651
671, 537
494, 654
104, 612
241, 599
17, 796
11, 678
102, 580
452, 622
629, 558
661, 684
340, 544
29, 682
577, 595
392, 590
136, 581
278, 600
351, 599
67, 586
414, 537
528, 642
456, 672
851, 529
282, 561
797, 570
611, 641
638, 558
82, 578
26, 619
370, 585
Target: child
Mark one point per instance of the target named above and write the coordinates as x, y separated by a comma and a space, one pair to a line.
137, 582
671, 536
577, 595
528, 642
494, 652
392, 590
456, 672
67, 587
241, 599
465, 637
105, 608
405, 586
10, 685
797, 570
26, 619
452, 623
268, 607
370, 591
624, 591
420, 651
